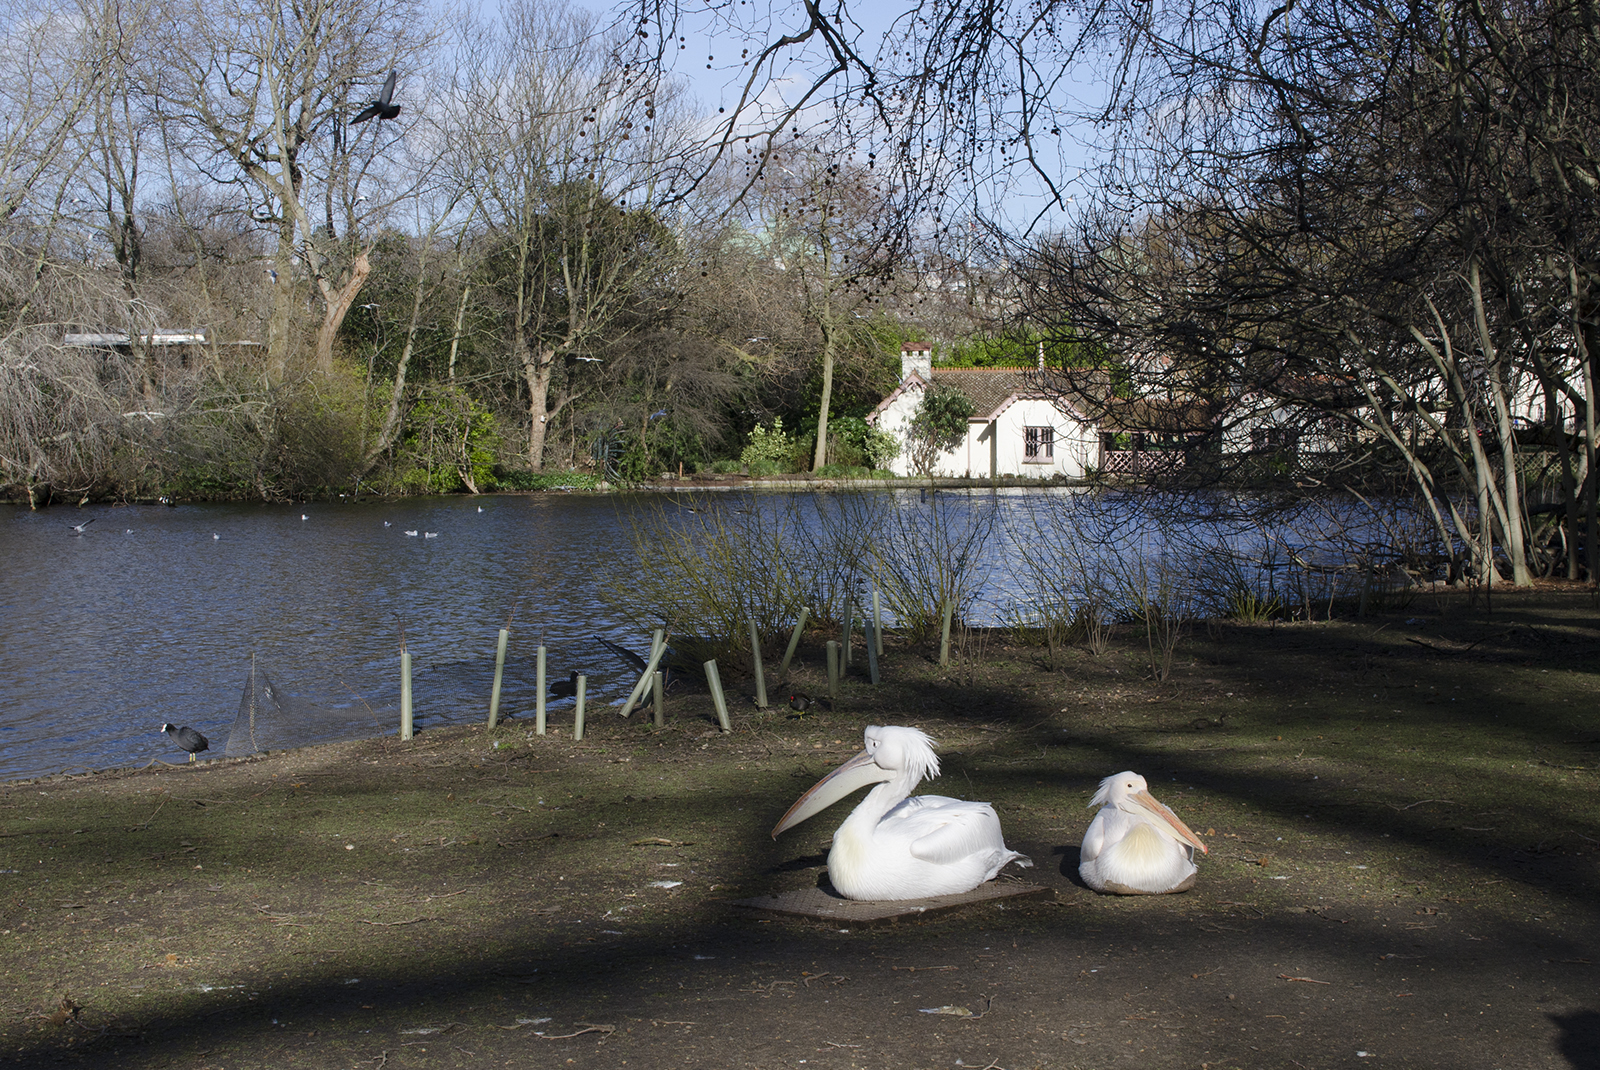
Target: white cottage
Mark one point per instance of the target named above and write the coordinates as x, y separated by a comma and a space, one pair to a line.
1016, 429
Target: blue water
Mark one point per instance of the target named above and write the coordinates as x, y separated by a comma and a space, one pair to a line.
158, 614
155, 615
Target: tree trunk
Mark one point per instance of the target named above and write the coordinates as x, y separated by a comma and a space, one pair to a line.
278, 328
537, 366
1591, 483
1511, 516
828, 336
339, 303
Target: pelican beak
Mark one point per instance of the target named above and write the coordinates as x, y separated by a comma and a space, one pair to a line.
853, 775
1147, 802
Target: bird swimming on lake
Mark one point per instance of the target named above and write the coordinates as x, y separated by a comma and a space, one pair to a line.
430, 534
1135, 845
385, 523
187, 738
411, 533
77, 529
304, 517
895, 845
565, 688
380, 108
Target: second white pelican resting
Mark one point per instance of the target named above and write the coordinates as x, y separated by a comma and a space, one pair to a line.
895, 847
1136, 846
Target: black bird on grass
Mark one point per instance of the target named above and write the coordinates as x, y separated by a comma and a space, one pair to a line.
802, 702
565, 688
187, 738
380, 108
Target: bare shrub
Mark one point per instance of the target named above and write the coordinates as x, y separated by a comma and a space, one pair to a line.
706, 569
934, 553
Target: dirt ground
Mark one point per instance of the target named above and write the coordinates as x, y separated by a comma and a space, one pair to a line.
1401, 810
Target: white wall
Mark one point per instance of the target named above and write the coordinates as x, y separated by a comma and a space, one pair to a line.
999, 447
1076, 446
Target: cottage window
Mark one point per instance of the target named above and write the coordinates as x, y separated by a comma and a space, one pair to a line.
1039, 445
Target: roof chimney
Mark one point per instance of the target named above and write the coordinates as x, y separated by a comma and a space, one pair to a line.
916, 357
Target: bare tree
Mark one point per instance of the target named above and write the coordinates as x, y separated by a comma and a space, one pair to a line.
829, 225
257, 95
559, 142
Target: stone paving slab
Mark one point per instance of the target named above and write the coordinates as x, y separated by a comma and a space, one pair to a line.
824, 905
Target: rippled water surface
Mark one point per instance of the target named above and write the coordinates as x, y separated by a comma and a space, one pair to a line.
158, 614
155, 614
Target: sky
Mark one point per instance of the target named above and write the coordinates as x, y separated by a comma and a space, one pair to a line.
717, 42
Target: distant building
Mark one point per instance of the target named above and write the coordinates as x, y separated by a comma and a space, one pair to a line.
1017, 428
124, 341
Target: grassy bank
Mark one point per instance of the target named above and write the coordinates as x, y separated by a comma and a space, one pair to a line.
1401, 812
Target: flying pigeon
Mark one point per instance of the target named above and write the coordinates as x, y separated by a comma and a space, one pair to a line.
380, 107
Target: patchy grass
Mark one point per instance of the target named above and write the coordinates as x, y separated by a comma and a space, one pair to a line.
1402, 816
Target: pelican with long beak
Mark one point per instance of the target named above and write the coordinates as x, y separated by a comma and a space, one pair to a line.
893, 846
1136, 846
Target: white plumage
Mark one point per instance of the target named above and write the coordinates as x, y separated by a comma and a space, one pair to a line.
895, 847
1135, 845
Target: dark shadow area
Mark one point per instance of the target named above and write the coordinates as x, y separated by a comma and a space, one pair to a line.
1579, 1043
1173, 943
1068, 868
796, 865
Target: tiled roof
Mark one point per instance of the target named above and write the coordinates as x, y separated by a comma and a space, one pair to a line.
989, 388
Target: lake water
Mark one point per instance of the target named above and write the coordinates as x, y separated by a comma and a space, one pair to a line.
159, 614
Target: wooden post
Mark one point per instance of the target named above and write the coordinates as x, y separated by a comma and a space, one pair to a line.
499, 672
849, 628
833, 669
794, 642
405, 694
538, 720
577, 715
944, 635
715, 682
877, 624
872, 650
658, 647
661, 698
755, 658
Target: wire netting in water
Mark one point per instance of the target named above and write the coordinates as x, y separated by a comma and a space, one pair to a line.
270, 718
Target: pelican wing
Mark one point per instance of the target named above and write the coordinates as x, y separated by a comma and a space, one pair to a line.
950, 830
1094, 840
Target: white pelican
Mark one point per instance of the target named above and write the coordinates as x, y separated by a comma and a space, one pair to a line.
895, 847
1136, 846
